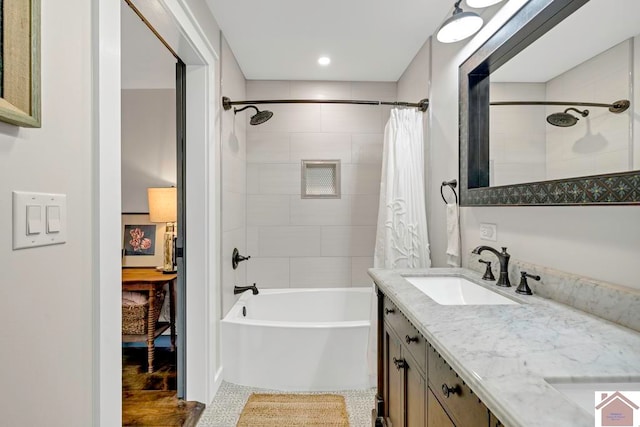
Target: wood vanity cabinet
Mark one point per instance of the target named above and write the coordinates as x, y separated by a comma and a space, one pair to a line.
417, 387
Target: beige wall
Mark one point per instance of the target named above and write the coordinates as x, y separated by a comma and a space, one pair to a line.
46, 293
148, 144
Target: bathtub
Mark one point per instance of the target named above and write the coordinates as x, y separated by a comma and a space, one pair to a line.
298, 339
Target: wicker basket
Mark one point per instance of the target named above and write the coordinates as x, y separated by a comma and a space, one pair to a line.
134, 315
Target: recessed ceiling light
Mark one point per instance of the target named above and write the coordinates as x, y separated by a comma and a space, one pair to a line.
324, 60
477, 4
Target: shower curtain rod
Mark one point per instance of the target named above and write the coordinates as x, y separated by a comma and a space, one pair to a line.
616, 107
422, 105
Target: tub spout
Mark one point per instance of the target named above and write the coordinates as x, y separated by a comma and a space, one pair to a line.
240, 289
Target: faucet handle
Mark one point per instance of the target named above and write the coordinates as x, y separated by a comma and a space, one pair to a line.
488, 274
523, 287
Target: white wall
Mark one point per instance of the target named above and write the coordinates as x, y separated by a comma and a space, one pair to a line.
298, 242
46, 293
148, 144
600, 142
517, 150
593, 241
234, 184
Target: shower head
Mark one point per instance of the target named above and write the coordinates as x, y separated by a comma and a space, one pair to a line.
259, 117
565, 119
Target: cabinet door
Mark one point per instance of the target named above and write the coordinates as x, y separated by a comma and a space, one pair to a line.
436, 416
415, 389
394, 380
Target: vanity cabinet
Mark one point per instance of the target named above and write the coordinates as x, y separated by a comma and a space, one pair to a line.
418, 387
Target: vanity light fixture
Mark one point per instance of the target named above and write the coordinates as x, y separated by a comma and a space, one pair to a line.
479, 4
324, 60
459, 26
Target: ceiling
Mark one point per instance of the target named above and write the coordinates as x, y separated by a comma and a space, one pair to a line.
367, 40
592, 29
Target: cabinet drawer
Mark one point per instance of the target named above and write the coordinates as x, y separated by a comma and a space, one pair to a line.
411, 338
462, 404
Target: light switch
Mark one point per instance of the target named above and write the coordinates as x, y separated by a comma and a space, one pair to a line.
34, 219
53, 219
39, 219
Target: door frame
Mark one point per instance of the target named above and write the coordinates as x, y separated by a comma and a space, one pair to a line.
176, 22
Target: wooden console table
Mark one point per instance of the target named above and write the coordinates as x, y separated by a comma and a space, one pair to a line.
151, 281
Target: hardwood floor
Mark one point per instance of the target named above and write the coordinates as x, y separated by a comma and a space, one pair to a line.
150, 399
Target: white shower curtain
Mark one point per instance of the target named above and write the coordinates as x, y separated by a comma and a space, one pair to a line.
401, 238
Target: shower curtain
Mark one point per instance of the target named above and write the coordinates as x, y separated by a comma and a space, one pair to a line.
401, 238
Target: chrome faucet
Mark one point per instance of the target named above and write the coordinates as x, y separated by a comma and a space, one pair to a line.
240, 289
503, 258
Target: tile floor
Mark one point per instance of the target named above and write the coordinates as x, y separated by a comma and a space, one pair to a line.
227, 405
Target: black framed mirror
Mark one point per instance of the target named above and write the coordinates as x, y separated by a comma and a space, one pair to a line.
576, 136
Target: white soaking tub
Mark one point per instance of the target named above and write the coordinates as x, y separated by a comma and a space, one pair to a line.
298, 339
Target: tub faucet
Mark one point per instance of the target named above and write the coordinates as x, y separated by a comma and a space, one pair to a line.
240, 289
503, 257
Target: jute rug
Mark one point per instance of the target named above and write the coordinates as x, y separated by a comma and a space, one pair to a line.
294, 410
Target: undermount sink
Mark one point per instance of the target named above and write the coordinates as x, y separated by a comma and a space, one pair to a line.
447, 290
583, 392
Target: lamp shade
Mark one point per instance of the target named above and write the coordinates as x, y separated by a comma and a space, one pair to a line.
163, 204
459, 26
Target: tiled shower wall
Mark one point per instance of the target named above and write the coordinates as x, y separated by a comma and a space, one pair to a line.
295, 242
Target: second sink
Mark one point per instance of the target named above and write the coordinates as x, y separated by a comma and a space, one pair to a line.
446, 290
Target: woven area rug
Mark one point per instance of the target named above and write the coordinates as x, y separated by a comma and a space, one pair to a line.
294, 410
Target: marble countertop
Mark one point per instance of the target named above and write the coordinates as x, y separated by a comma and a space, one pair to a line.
505, 352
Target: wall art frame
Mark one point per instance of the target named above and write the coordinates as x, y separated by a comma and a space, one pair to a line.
20, 63
142, 258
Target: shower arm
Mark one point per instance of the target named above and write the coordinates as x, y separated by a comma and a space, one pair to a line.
422, 105
616, 107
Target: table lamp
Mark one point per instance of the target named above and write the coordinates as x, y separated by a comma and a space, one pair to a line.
163, 204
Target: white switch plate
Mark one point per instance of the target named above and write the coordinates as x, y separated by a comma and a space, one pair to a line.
489, 232
22, 199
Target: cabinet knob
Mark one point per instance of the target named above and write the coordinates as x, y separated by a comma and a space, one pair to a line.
389, 310
447, 391
400, 363
409, 339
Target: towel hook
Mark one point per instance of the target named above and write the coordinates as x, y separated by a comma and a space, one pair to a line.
451, 184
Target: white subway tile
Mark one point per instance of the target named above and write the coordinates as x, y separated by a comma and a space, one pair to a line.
267, 210
268, 147
348, 241
276, 179
364, 209
292, 118
320, 90
267, 89
234, 176
367, 148
234, 210
361, 179
320, 146
351, 118
376, 91
321, 272
289, 241
359, 267
253, 246
230, 277
253, 178
320, 211
268, 272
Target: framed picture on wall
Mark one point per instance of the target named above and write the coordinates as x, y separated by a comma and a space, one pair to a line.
141, 241
20, 62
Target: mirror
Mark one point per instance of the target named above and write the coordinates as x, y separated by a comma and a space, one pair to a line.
547, 107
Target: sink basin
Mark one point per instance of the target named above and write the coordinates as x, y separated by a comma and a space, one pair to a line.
457, 291
583, 393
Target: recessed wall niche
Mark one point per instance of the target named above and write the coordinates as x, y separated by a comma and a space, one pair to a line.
320, 179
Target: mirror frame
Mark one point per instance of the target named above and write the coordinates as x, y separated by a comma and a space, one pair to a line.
528, 24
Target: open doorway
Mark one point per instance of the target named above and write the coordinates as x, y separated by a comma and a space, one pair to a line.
153, 225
